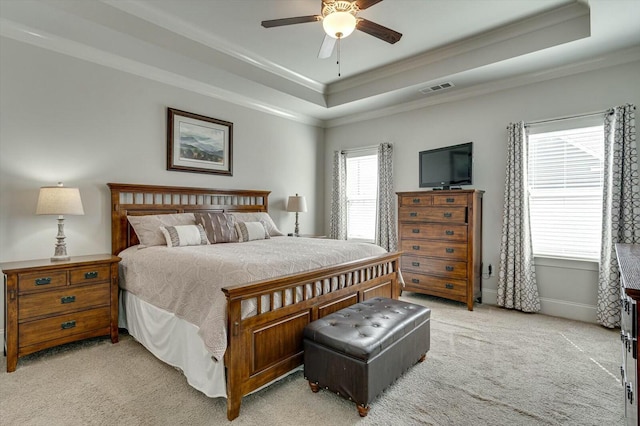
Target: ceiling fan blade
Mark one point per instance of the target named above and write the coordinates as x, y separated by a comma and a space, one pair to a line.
327, 47
363, 4
377, 30
290, 21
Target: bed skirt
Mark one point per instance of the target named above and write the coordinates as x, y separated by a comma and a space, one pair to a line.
173, 341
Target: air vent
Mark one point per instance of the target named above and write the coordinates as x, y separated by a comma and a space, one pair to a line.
435, 88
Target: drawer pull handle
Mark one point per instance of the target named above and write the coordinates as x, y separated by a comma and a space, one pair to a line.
450, 200
416, 200
67, 325
449, 286
415, 231
90, 275
43, 281
415, 280
67, 299
447, 214
447, 232
449, 250
413, 214
449, 268
415, 263
416, 247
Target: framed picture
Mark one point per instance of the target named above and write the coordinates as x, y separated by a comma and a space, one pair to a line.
199, 144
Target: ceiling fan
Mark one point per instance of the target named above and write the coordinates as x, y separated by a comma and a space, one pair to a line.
339, 19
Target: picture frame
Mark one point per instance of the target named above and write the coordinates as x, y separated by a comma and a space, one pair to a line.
199, 144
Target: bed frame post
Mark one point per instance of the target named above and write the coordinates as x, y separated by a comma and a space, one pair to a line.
233, 356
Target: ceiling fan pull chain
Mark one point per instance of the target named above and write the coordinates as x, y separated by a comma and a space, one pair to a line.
338, 62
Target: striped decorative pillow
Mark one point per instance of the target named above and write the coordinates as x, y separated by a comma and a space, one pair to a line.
220, 227
184, 235
249, 231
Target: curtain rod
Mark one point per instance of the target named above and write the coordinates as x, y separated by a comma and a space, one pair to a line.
363, 148
569, 117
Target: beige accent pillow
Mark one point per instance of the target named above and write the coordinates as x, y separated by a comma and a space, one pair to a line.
263, 217
250, 231
147, 227
184, 235
220, 227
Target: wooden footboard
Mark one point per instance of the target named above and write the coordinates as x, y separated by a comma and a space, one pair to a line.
265, 346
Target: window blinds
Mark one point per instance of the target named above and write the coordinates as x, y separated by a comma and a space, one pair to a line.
565, 172
362, 191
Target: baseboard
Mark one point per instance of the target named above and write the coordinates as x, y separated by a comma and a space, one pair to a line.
552, 307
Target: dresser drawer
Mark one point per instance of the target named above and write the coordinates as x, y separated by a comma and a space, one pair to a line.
450, 200
441, 267
433, 231
434, 214
63, 300
90, 275
416, 200
444, 249
41, 280
441, 286
39, 331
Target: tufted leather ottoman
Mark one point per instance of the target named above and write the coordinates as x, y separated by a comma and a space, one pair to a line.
360, 350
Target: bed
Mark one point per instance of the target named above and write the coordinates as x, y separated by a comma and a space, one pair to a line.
260, 312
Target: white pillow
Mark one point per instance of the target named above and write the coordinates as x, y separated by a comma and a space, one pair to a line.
249, 231
263, 217
184, 235
147, 227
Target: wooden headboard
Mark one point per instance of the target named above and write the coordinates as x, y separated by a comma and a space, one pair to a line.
135, 200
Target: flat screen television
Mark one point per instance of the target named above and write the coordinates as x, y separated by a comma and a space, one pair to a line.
446, 167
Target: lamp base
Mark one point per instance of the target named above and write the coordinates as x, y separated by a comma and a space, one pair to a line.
60, 253
60, 258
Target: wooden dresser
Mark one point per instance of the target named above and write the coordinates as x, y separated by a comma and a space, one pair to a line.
51, 303
440, 234
629, 262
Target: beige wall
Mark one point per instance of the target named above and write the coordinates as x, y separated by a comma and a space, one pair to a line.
566, 288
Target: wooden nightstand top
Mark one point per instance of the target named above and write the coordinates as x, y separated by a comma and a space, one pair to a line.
49, 264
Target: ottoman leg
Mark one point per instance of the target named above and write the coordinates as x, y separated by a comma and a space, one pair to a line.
363, 410
314, 387
423, 357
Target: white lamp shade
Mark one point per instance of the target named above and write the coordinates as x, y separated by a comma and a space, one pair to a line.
297, 203
59, 200
342, 23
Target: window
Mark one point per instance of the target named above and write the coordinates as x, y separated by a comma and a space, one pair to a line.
362, 195
565, 172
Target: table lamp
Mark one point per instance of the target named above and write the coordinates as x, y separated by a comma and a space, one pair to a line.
59, 200
298, 204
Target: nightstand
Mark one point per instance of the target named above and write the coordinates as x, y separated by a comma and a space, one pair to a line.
50, 303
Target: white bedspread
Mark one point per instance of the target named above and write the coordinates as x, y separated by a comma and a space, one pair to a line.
188, 280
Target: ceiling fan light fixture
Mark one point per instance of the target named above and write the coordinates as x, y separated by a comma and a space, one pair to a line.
339, 18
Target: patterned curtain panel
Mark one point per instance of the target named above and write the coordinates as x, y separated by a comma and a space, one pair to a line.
517, 287
386, 235
620, 205
338, 219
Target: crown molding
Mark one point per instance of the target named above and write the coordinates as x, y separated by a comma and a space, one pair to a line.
25, 34
178, 26
603, 61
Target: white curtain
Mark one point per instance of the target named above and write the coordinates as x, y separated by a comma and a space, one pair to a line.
517, 287
386, 236
338, 218
620, 205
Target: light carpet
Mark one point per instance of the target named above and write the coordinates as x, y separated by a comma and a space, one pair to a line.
487, 367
